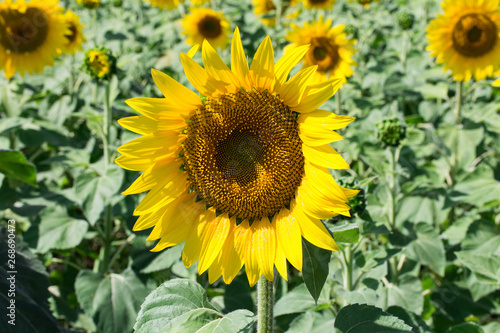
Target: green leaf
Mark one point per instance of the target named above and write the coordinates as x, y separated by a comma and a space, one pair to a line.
465, 328
315, 267
164, 260
112, 301
299, 300
417, 324
486, 266
14, 165
368, 260
437, 91
59, 231
427, 248
478, 188
312, 322
406, 294
462, 142
181, 305
237, 296
362, 318
346, 233
96, 191
493, 327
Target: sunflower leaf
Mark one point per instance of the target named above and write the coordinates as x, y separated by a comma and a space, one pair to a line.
14, 165
315, 268
361, 318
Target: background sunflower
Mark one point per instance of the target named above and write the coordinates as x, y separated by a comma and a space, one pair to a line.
75, 36
204, 23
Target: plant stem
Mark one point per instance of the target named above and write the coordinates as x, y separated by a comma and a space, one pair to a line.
458, 106
265, 306
348, 268
404, 50
107, 124
338, 100
392, 187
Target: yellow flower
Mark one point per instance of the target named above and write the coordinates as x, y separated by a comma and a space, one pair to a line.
243, 176
266, 8
89, 3
162, 4
330, 49
99, 63
365, 3
204, 23
496, 83
74, 38
319, 4
466, 38
30, 35
199, 2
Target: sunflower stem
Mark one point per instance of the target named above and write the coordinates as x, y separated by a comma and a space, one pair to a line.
404, 50
458, 106
338, 99
348, 269
392, 186
265, 306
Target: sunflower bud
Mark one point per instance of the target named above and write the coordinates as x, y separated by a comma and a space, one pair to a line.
390, 132
92, 4
351, 31
406, 20
100, 63
117, 3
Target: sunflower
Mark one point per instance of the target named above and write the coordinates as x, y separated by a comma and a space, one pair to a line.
330, 49
92, 4
496, 83
99, 63
74, 38
243, 176
204, 23
199, 2
162, 4
266, 10
319, 4
30, 35
466, 38
365, 3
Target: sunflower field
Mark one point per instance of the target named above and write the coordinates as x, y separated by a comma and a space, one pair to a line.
250, 166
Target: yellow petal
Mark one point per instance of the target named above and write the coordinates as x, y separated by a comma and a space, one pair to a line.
314, 231
325, 119
289, 237
134, 163
262, 68
145, 125
264, 246
149, 220
200, 79
293, 90
158, 108
213, 240
321, 179
215, 270
324, 156
316, 204
244, 247
218, 69
239, 64
174, 92
317, 94
231, 261
280, 261
284, 65
192, 51
349, 193
154, 175
314, 135
194, 241
153, 146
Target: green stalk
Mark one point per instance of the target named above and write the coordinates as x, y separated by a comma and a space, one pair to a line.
265, 306
392, 187
348, 268
458, 106
404, 50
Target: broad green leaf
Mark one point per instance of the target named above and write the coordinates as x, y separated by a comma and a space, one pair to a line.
478, 188
406, 294
299, 300
486, 266
417, 324
427, 248
312, 322
315, 267
362, 318
96, 191
164, 260
113, 301
362, 295
15, 166
493, 327
346, 233
437, 91
462, 142
59, 231
181, 305
368, 260
465, 328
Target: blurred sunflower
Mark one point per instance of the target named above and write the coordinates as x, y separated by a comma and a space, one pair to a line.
164, 4
319, 4
30, 35
243, 176
74, 38
204, 23
199, 2
466, 38
92, 4
330, 49
496, 83
99, 63
365, 3
266, 10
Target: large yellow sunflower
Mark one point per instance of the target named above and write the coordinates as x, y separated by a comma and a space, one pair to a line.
30, 35
243, 176
330, 49
74, 38
466, 38
266, 10
204, 23
319, 4
164, 4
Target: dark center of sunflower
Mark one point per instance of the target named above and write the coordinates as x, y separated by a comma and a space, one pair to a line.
209, 27
243, 154
318, 1
474, 35
324, 53
23, 32
73, 32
